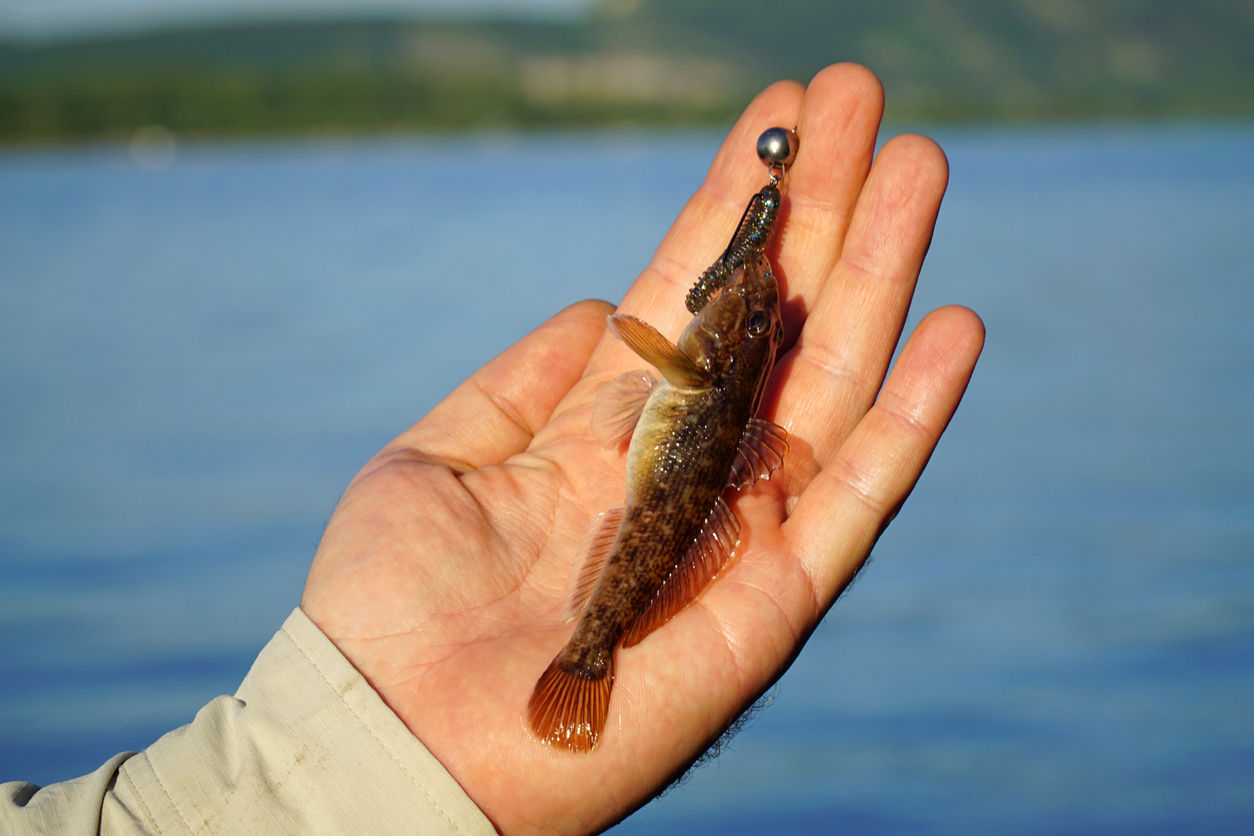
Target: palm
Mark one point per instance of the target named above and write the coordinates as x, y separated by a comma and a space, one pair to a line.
442, 573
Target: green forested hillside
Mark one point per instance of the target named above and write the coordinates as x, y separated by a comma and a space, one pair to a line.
653, 62
1014, 58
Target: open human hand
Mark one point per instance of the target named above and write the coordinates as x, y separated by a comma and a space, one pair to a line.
442, 572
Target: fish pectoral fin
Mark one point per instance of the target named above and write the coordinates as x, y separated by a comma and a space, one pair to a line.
709, 554
594, 551
641, 337
618, 406
762, 449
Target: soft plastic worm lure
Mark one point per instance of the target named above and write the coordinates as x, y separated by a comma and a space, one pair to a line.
777, 148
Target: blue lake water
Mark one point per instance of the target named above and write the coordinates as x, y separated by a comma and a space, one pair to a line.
1055, 636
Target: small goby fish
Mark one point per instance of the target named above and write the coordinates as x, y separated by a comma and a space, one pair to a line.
694, 434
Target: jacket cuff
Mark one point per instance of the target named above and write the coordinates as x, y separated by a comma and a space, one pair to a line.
305, 746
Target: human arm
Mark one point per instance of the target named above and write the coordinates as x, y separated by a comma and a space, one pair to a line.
440, 576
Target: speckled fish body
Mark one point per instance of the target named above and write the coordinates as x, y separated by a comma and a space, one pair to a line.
696, 435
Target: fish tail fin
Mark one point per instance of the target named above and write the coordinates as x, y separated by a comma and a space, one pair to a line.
568, 709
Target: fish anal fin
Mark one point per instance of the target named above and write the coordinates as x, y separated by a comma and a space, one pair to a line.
709, 553
567, 710
762, 449
618, 406
594, 551
641, 337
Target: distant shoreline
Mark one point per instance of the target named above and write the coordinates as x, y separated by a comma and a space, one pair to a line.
144, 152
665, 65
71, 115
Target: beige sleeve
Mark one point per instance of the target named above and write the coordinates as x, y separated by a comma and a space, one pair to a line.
305, 746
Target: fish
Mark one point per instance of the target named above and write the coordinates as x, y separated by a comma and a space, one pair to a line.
695, 434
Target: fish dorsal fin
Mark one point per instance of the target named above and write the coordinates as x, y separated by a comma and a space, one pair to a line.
618, 406
762, 449
641, 337
709, 553
594, 551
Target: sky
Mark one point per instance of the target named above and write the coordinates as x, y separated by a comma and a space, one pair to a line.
53, 18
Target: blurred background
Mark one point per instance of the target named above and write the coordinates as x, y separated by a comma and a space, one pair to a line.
104, 68
244, 245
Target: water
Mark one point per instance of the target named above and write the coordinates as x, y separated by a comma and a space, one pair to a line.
1056, 635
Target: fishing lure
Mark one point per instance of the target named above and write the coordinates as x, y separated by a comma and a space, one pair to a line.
777, 148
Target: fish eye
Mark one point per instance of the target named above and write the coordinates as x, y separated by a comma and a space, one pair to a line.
758, 323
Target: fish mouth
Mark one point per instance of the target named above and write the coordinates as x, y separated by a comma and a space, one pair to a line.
751, 276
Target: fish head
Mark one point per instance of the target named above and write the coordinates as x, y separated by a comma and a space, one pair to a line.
741, 327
